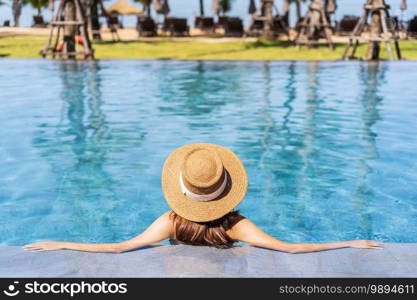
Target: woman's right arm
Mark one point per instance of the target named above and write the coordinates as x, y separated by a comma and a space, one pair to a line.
248, 232
159, 230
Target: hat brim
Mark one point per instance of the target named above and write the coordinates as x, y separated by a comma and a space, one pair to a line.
199, 211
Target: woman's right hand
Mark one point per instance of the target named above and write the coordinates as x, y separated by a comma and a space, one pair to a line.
44, 246
366, 244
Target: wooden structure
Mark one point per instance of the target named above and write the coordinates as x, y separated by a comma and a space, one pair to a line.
314, 26
94, 10
402, 27
286, 11
381, 30
113, 25
263, 22
68, 37
330, 7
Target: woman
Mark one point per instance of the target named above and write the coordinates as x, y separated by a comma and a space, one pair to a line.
202, 184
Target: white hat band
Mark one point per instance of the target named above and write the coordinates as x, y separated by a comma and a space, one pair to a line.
206, 197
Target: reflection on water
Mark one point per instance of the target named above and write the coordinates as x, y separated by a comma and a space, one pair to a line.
188, 91
77, 150
315, 139
268, 178
372, 75
291, 96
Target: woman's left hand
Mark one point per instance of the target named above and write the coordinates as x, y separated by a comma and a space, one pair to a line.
365, 244
44, 246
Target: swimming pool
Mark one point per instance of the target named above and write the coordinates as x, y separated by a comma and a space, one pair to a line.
329, 147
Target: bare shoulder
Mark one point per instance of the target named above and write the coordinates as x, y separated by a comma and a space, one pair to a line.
239, 228
167, 218
167, 215
162, 225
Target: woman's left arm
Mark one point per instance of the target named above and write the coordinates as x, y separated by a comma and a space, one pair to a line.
248, 232
160, 229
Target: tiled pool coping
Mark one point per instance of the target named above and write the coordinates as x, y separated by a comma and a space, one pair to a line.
396, 260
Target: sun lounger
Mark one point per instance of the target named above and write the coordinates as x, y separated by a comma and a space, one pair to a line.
38, 22
205, 24
233, 27
146, 26
347, 24
412, 27
221, 21
256, 28
176, 26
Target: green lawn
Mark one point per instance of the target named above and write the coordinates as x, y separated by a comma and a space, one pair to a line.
28, 47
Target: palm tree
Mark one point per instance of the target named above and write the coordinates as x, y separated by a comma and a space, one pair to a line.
17, 11
225, 6
201, 7
37, 4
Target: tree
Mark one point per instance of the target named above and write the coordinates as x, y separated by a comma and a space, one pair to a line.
201, 8
225, 6
69, 30
17, 11
37, 4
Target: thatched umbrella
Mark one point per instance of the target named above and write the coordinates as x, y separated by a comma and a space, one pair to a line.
122, 7
252, 7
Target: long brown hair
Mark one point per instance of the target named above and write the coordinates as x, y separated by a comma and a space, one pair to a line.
211, 233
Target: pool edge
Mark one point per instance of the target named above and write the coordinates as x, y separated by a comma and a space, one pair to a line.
396, 260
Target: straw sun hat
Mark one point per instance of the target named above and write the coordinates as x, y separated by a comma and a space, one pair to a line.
203, 182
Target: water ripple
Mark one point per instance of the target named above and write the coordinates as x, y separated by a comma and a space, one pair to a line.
329, 147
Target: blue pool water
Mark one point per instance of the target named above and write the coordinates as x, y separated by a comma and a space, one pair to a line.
329, 147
